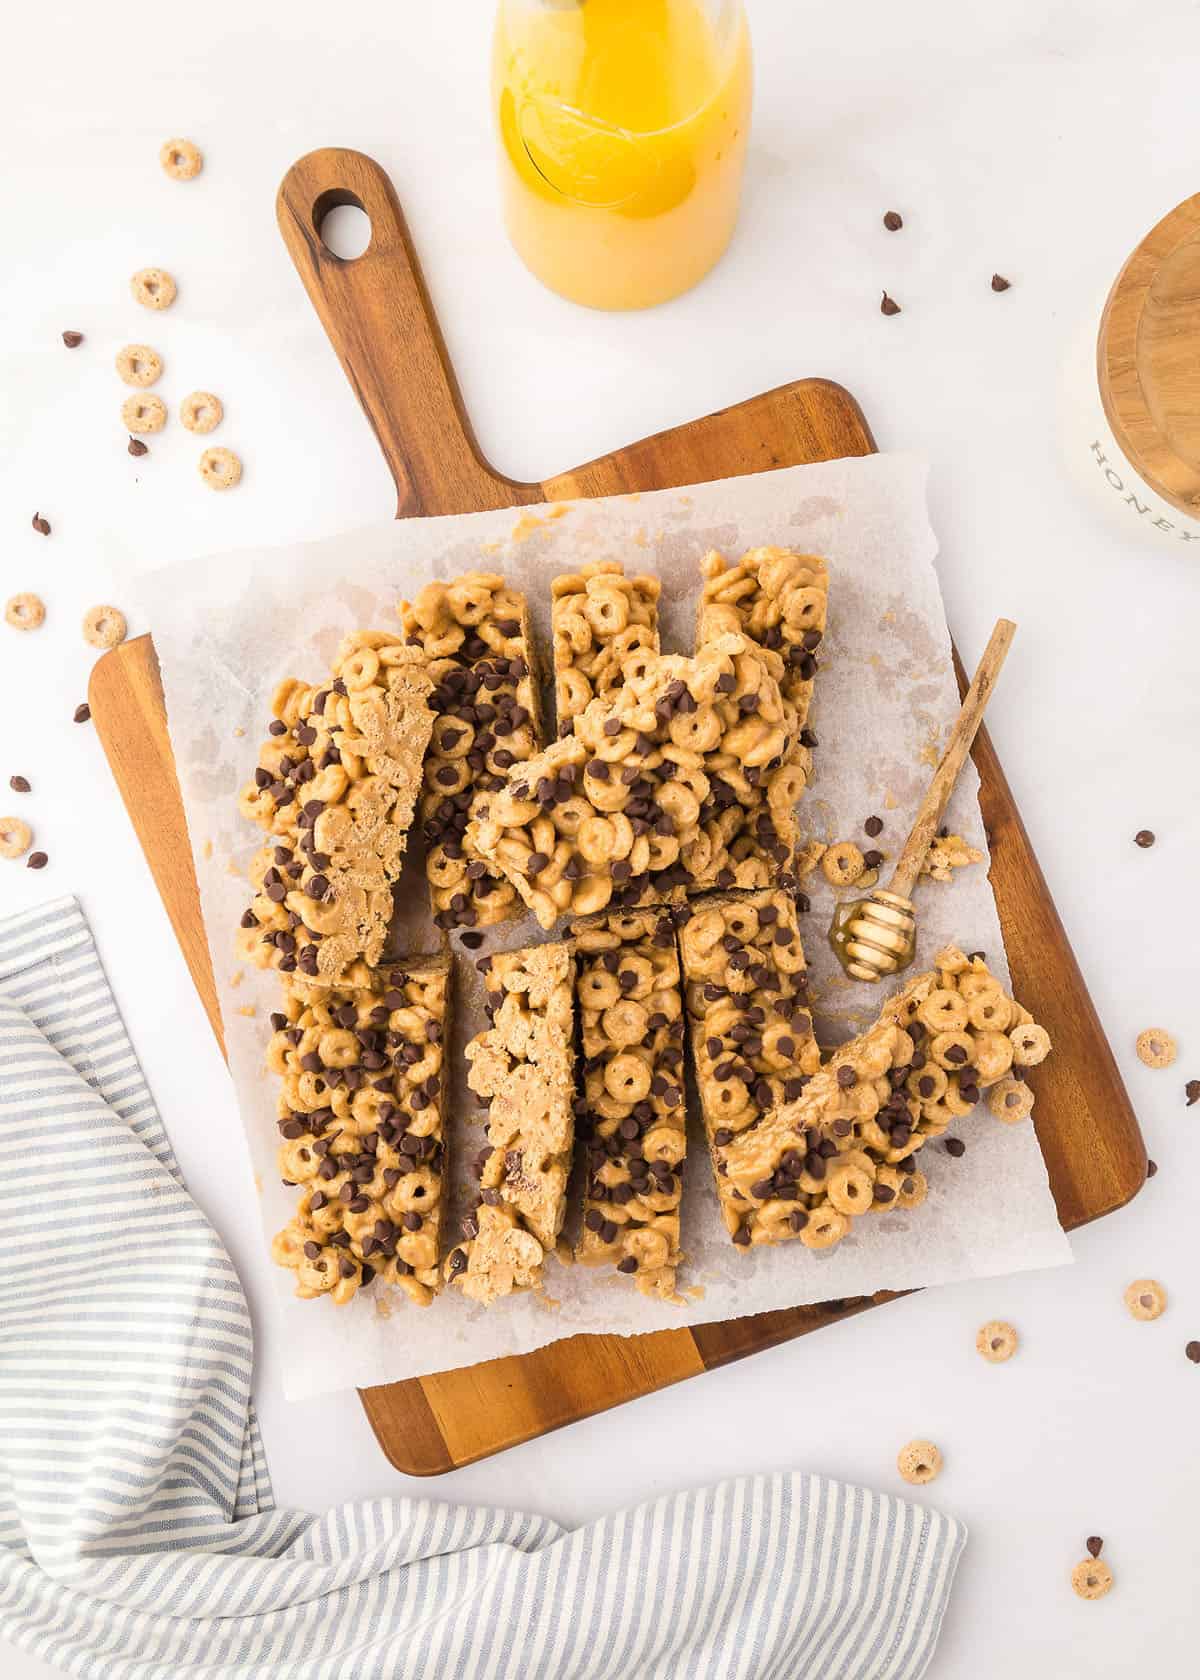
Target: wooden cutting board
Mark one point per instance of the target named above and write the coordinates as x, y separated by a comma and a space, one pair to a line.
378, 317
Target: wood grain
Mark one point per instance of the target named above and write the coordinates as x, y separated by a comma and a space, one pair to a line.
380, 323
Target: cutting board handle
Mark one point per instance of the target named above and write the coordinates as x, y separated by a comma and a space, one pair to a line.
377, 314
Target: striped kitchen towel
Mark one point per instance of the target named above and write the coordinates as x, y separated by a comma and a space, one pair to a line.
138, 1536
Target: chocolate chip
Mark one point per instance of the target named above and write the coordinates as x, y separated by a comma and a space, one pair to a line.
1144, 838
137, 448
1192, 1091
629, 1264
41, 525
1151, 1168
1193, 1352
873, 826
472, 941
956, 1147
1094, 1544
893, 221
83, 713
999, 283
742, 1238
846, 1077
872, 859
884, 1193
72, 340
889, 306
19, 785
36, 860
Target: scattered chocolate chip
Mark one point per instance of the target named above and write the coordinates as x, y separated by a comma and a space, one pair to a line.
37, 860
893, 221
1193, 1352
1144, 838
1094, 1544
956, 1147
1151, 1168
41, 525
72, 340
19, 784
872, 859
83, 713
873, 826
1192, 1091
999, 283
889, 306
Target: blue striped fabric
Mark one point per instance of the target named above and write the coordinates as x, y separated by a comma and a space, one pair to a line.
138, 1536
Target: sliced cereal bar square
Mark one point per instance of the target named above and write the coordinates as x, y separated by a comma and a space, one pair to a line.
521, 1069
361, 1116
751, 1026
604, 625
631, 1115
777, 598
474, 632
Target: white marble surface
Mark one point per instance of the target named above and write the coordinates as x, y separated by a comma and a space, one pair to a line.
1037, 140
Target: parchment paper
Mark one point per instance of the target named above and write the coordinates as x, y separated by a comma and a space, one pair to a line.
229, 627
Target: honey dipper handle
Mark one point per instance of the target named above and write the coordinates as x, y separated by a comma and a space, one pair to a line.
966, 727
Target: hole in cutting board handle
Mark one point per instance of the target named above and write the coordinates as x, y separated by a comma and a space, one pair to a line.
342, 224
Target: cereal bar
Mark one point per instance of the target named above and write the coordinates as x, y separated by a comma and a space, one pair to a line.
751, 1028
335, 787
602, 624
631, 1114
521, 1069
474, 632
847, 1146
361, 1115
778, 599
685, 777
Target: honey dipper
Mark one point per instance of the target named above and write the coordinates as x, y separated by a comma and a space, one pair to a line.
877, 935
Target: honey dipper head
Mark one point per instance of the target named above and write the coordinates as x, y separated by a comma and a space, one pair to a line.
874, 936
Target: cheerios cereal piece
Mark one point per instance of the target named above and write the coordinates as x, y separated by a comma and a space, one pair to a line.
919, 1462
104, 627
25, 612
1031, 1044
1146, 1299
1091, 1578
181, 160
137, 364
996, 1341
1156, 1047
153, 288
201, 412
220, 469
842, 864
16, 837
1010, 1100
143, 414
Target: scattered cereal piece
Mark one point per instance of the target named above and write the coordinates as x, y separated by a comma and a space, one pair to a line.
1146, 1299
999, 283
41, 525
247, 1009
1192, 1350
104, 627
1192, 1091
1156, 1047
220, 469
919, 1462
16, 837
1091, 1578
19, 784
996, 1341
153, 288
893, 221
25, 612
1011, 1100
1031, 1044
144, 414
137, 447
181, 160
1144, 838
946, 854
82, 713
888, 305
72, 340
36, 860
842, 864
201, 412
808, 857
137, 364
1094, 1544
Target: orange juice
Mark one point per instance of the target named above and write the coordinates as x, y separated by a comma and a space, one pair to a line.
623, 127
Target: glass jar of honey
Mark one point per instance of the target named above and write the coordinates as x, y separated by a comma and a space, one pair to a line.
622, 130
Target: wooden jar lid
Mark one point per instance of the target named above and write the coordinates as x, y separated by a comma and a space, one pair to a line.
1148, 358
